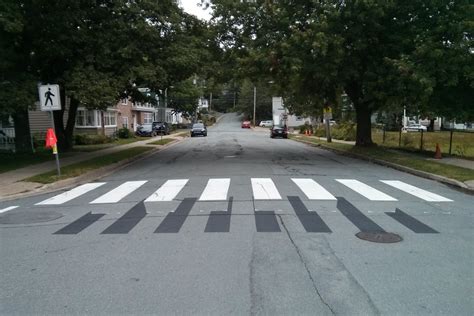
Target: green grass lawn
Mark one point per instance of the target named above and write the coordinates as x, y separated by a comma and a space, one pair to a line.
463, 142
12, 161
412, 160
120, 141
163, 141
80, 168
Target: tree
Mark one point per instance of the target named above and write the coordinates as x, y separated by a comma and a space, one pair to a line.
371, 50
97, 51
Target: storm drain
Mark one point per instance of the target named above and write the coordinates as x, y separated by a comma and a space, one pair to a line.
29, 217
380, 237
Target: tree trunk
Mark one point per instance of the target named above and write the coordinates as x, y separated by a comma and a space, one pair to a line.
102, 122
364, 125
65, 133
431, 126
363, 114
22, 131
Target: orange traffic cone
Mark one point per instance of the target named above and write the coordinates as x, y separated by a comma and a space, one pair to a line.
438, 152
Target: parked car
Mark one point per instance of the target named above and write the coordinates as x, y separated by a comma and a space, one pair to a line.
198, 129
266, 123
279, 131
246, 124
145, 130
161, 128
415, 128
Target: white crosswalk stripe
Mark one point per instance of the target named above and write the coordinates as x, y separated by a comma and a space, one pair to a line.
366, 190
216, 190
3, 210
264, 189
168, 191
313, 190
71, 194
420, 193
119, 192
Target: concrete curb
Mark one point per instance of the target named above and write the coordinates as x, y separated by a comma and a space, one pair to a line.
91, 175
451, 182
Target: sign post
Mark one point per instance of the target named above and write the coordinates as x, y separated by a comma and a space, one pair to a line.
50, 101
327, 111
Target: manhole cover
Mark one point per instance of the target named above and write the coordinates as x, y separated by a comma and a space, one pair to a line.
380, 237
29, 217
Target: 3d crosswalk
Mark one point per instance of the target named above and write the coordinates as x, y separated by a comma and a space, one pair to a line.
262, 189
217, 189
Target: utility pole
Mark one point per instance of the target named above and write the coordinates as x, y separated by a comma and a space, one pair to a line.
210, 103
254, 103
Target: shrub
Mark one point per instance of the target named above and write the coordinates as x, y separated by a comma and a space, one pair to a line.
344, 131
305, 127
125, 133
84, 139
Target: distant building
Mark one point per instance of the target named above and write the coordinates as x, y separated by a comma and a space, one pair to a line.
282, 117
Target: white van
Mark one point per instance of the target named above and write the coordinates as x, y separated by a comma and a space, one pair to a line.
266, 123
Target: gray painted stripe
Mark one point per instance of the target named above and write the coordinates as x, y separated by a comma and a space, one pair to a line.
357, 218
311, 221
219, 221
80, 224
128, 221
266, 222
175, 220
411, 222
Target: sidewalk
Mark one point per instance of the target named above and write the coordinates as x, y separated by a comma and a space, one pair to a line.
11, 181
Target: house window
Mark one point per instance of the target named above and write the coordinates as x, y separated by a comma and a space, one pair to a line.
86, 118
124, 122
110, 119
299, 118
124, 101
147, 118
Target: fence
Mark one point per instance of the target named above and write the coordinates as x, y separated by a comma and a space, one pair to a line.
453, 142
7, 139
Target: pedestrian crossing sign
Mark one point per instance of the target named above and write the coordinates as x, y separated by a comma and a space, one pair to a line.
49, 97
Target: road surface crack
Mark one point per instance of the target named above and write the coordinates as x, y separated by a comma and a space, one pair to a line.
305, 265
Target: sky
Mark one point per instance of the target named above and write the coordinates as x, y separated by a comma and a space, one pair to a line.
191, 7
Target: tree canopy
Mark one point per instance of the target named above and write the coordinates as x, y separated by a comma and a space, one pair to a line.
383, 54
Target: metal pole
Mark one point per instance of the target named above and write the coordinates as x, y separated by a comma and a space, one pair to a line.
421, 141
162, 114
328, 132
254, 103
400, 138
57, 152
210, 103
450, 141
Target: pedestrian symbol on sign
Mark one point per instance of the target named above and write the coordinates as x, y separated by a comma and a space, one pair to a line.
48, 95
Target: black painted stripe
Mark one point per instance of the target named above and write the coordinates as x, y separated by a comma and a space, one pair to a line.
219, 221
311, 221
174, 221
411, 222
357, 218
128, 221
80, 224
266, 222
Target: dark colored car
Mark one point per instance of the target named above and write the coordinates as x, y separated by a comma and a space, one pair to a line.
161, 128
279, 131
246, 124
145, 130
198, 129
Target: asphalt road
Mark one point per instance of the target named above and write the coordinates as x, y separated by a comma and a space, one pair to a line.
238, 223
